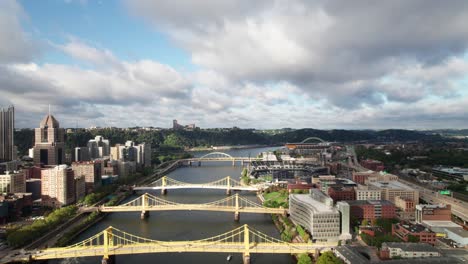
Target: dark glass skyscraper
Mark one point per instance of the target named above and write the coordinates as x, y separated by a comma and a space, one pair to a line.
7, 128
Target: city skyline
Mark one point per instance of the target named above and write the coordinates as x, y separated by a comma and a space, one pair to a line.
268, 64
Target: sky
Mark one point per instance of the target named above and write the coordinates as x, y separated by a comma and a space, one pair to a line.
325, 64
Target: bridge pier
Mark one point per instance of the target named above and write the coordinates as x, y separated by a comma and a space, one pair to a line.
163, 191
236, 216
110, 260
228, 192
144, 215
246, 258
199, 163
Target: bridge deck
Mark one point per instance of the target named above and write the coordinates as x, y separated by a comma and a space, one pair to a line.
193, 207
169, 187
178, 246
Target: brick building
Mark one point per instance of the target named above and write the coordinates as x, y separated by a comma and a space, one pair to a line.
372, 209
406, 208
405, 231
433, 212
340, 193
374, 165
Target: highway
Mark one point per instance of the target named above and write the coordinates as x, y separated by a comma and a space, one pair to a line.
459, 208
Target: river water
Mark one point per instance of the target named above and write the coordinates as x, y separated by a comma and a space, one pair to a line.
190, 225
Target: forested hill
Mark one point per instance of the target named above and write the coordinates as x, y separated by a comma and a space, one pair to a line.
220, 137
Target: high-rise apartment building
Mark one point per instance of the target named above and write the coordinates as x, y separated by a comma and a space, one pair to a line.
7, 127
58, 186
140, 154
98, 147
14, 182
92, 172
49, 147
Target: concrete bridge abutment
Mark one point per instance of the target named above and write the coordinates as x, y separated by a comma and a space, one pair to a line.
144, 215
236, 216
109, 260
246, 259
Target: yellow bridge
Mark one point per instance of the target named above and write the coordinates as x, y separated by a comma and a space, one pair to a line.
112, 241
227, 183
236, 204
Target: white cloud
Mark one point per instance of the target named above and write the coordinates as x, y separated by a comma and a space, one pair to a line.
15, 45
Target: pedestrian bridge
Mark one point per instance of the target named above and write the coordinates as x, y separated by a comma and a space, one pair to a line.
226, 183
235, 204
112, 241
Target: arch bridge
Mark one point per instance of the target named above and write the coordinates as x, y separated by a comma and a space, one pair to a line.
220, 157
236, 204
313, 138
112, 241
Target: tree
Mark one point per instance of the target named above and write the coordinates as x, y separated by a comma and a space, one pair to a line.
328, 258
304, 259
365, 222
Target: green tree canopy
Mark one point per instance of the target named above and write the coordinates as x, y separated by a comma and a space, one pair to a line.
328, 258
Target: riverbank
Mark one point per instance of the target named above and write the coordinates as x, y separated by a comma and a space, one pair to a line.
289, 232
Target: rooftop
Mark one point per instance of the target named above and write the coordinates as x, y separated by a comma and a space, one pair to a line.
415, 228
318, 206
414, 247
373, 202
50, 122
351, 254
430, 206
432, 224
458, 231
391, 185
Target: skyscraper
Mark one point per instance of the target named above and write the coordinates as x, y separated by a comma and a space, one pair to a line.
49, 147
7, 127
57, 185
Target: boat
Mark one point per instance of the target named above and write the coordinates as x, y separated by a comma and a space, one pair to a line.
229, 257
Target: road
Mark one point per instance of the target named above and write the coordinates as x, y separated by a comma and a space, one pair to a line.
459, 208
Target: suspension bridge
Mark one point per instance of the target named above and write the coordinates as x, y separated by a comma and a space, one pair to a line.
226, 183
235, 203
112, 241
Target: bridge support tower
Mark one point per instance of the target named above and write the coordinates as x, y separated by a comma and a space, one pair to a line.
108, 242
164, 183
199, 163
246, 254
237, 213
228, 183
144, 204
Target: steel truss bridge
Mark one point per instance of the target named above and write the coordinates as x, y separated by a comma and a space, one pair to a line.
112, 241
222, 157
236, 204
227, 183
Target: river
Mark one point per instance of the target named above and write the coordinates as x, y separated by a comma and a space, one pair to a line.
190, 225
